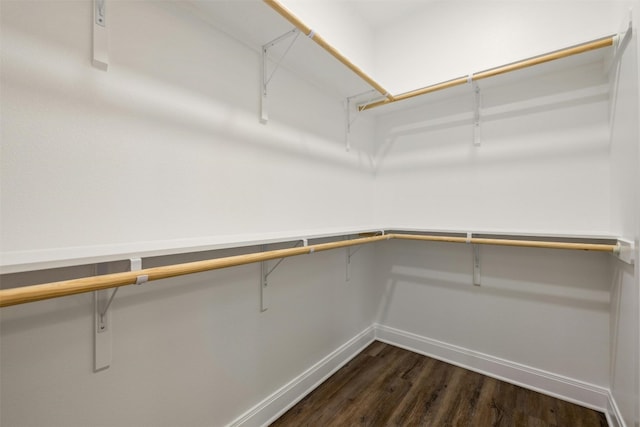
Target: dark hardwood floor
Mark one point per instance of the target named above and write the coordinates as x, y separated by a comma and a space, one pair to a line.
389, 386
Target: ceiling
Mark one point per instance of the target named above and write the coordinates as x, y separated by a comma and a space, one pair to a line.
378, 13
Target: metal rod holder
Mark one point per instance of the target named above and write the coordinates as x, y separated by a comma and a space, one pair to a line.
265, 271
266, 76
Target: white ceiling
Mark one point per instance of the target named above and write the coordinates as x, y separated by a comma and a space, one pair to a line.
378, 13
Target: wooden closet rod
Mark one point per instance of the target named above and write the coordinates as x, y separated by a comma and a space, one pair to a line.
22, 295
389, 98
289, 16
32, 293
552, 56
509, 242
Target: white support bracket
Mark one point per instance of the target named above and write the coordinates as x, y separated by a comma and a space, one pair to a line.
476, 259
621, 40
266, 76
100, 35
348, 122
102, 316
351, 113
101, 324
612, 65
350, 252
476, 265
265, 271
477, 104
625, 251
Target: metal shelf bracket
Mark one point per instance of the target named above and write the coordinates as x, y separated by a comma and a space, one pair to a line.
476, 265
476, 260
100, 35
620, 42
266, 75
625, 251
477, 104
102, 316
265, 271
350, 252
351, 115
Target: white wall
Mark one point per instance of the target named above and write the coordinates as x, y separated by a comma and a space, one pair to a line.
542, 164
190, 351
544, 309
625, 208
449, 39
167, 143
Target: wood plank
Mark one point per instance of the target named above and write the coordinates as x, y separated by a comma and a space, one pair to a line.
328, 395
570, 414
388, 386
421, 402
378, 392
486, 413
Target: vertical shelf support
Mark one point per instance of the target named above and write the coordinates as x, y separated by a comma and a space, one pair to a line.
350, 252
100, 35
476, 259
348, 122
476, 265
351, 115
264, 274
102, 319
477, 104
265, 271
621, 41
102, 316
266, 76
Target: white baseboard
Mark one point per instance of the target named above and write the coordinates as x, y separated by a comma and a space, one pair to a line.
291, 393
614, 417
564, 388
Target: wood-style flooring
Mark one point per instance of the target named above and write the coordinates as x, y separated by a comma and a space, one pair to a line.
388, 386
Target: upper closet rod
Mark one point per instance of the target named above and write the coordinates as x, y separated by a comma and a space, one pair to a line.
289, 16
562, 53
21, 295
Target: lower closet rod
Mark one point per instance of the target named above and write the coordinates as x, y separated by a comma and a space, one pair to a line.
507, 242
22, 295
26, 294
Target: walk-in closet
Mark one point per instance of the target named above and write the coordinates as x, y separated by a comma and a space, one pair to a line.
319, 212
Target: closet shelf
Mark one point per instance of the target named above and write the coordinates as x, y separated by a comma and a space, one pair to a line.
496, 71
257, 22
32, 260
22, 261
26, 294
388, 98
307, 31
